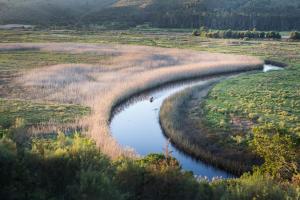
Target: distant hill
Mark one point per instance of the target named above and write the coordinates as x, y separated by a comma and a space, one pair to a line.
52, 12
217, 14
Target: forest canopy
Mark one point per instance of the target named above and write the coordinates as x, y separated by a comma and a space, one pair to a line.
215, 14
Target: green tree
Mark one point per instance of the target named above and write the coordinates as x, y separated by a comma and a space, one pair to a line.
295, 35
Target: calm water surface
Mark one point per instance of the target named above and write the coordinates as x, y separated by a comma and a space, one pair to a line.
136, 125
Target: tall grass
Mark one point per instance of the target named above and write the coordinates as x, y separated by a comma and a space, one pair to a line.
131, 70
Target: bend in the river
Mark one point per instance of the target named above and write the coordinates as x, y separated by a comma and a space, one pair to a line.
135, 124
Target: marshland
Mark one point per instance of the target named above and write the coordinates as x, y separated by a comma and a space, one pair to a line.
119, 106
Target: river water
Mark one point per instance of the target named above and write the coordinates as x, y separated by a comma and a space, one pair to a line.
136, 125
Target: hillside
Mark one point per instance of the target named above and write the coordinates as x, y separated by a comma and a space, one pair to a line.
218, 14
49, 12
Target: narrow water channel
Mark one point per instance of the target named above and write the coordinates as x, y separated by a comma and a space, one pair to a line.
136, 125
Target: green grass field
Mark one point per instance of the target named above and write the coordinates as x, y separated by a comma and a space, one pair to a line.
272, 49
35, 113
272, 97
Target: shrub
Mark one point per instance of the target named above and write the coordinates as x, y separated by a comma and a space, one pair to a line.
295, 35
242, 34
196, 33
155, 177
73, 168
278, 149
66, 168
273, 35
262, 35
256, 186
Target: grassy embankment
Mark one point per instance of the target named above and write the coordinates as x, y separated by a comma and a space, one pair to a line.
218, 128
180, 121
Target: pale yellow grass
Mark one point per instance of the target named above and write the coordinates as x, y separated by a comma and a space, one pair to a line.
131, 70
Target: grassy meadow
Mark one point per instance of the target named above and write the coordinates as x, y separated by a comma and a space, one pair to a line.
271, 97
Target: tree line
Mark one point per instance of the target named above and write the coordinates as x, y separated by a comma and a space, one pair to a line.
231, 34
237, 34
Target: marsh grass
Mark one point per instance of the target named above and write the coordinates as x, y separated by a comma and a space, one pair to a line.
34, 113
101, 87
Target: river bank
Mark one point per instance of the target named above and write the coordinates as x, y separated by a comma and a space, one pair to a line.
186, 130
214, 123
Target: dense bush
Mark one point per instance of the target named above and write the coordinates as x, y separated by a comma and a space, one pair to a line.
255, 186
238, 34
67, 168
295, 35
279, 150
156, 177
195, 33
73, 168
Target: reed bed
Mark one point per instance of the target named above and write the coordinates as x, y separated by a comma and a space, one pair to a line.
131, 70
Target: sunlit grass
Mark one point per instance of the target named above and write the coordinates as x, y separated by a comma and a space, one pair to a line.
269, 98
36, 113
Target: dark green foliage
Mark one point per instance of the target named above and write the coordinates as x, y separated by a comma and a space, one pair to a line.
73, 168
262, 35
65, 168
216, 14
242, 34
295, 35
195, 33
255, 186
273, 35
278, 148
155, 177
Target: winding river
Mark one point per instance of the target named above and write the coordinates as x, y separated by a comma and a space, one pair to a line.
135, 124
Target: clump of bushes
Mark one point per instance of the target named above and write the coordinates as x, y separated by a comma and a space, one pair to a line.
230, 34
295, 35
60, 168
278, 148
72, 167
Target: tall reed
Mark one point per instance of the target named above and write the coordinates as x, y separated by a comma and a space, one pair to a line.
131, 70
